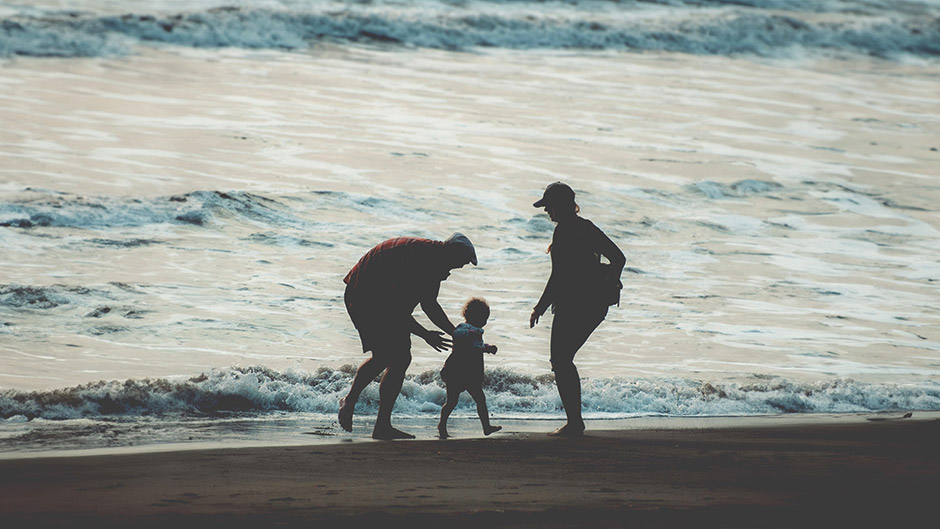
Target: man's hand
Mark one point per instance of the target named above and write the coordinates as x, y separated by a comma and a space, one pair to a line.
438, 341
491, 349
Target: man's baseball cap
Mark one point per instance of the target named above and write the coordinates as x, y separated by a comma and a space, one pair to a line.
465, 244
555, 193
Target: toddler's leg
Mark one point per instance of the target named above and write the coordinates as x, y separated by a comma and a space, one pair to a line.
480, 399
452, 396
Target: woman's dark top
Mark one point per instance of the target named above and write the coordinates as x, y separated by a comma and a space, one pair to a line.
577, 274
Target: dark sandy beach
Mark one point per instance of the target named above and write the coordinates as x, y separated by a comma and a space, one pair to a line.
855, 472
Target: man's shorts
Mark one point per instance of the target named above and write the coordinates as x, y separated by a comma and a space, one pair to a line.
381, 330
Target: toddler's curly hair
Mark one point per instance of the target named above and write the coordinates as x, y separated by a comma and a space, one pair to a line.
476, 309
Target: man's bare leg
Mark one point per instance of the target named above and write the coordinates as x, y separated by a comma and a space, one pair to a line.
388, 393
364, 375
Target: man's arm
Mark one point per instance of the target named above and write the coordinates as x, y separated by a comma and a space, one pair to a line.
435, 339
435, 313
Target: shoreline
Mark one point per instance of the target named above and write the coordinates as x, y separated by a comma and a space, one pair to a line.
303, 431
823, 471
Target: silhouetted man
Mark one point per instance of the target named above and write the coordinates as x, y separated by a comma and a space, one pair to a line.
382, 291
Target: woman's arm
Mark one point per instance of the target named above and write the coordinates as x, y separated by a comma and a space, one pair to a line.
548, 296
607, 248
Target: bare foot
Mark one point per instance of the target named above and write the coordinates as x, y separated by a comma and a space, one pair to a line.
389, 433
345, 414
442, 431
568, 431
490, 429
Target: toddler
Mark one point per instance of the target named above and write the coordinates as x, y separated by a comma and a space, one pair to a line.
463, 370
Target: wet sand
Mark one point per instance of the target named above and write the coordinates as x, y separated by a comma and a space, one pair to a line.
858, 471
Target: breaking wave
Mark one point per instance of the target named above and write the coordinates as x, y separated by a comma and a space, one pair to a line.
259, 390
766, 29
63, 210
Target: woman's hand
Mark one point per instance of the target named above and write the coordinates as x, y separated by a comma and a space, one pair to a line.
534, 318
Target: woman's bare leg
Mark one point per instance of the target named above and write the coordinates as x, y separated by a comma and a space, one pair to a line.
569, 389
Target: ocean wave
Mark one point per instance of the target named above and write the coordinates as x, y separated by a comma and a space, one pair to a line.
63, 210
36, 297
259, 390
715, 190
41, 208
748, 28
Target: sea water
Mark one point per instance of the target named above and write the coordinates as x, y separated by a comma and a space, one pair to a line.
183, 186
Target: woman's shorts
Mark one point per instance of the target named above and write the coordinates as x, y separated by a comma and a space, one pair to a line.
570, 330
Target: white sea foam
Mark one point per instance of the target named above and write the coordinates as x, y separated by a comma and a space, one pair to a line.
252, 391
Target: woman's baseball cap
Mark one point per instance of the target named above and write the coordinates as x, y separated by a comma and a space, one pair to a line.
555, 193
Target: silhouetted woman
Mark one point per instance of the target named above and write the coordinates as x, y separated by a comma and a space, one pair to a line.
579, 291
